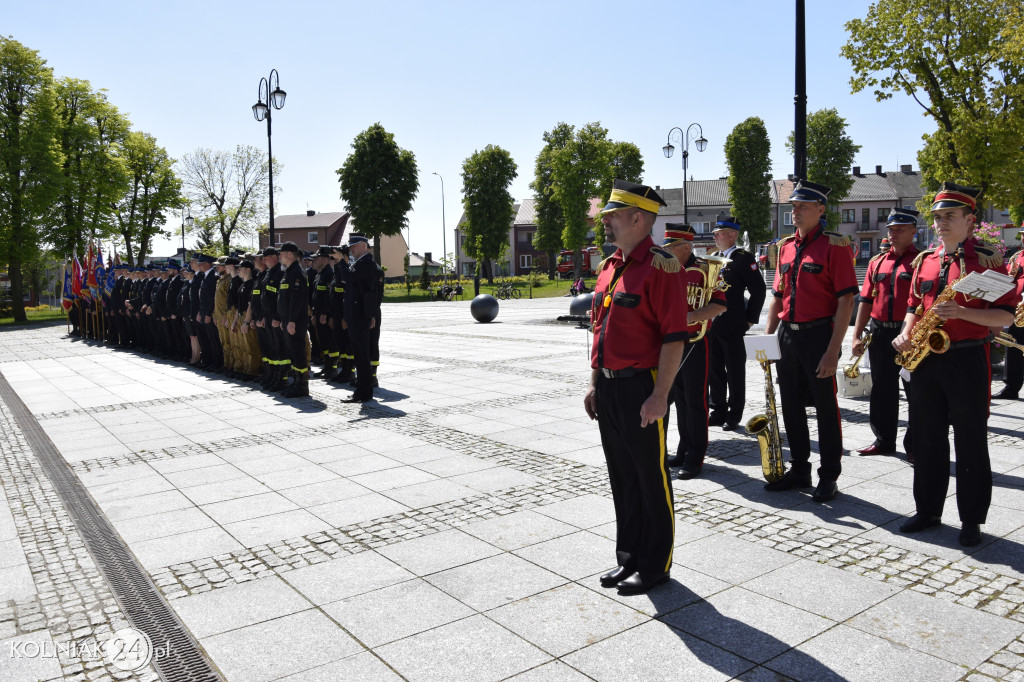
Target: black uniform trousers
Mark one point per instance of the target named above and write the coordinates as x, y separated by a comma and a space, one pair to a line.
209, 330
728, 371
359, 347
952, 390
690, 395
640, 482
283, 345
801, 352
328, 344
1014, 373
375, 346
297, 345
884, 409
268, 343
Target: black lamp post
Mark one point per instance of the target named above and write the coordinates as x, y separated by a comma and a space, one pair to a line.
684, 139
444, 234
186, 222
800, 98
269, 99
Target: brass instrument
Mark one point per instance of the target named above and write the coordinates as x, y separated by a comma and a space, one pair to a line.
766, 428
1018, 315
851, 370
927, 336
1005, 339
698, 295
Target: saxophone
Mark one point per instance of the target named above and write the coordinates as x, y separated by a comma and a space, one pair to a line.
766, 428
927, 336
1018, 315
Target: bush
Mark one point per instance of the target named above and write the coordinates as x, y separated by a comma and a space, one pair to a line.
537, 278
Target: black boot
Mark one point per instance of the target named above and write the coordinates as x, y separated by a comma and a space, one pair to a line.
287, 379
299, 387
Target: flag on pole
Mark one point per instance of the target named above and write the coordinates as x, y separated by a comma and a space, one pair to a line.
68, 295
77, 275
99, 274
111, 281
90, 271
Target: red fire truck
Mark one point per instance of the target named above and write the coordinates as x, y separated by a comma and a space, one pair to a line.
591, 259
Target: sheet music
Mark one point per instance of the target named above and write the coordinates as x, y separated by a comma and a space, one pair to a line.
988, 285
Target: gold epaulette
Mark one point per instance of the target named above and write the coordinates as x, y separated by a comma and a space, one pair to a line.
881, 254
836, 239
663, 260
988, 257
920, 258
785, 239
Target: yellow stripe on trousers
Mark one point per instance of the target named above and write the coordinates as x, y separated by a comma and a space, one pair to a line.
664, 477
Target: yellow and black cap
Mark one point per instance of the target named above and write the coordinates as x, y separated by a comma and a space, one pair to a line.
632, 195
902, 216
951, 195
810, 191
675, 232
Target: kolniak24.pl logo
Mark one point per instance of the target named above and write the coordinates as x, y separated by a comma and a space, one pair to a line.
128, 650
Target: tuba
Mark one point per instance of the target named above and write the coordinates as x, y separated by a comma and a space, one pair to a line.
698, 295
766, 428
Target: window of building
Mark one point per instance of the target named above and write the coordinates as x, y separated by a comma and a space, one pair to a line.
701, 228
526, 238
849, 215
313, 237
525, 261
883, 215
865, 248
787, 218
865, 217
468, 269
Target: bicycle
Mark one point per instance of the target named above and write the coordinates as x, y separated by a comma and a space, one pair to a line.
507, 291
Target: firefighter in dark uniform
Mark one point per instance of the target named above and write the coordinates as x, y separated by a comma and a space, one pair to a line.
690, 391
320, 301
883, 298
1013, 376
951, 389
360, 313
207, 303
375, 329
639, 322
728, 356
811, 307
293, 313
276, 350
122, 288
342, 353
178, 339
255, 316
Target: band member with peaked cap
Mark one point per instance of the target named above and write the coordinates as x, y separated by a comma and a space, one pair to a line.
639, 322
882, 300
812, 300
690, 391
360, 311
1013, 377
728, 356
951, 389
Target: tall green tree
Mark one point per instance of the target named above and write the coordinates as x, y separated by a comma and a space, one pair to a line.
748, 155
963, 63
29, 159
153, 190
232, 188
830, 153
379, 181
486, 177
548, 237
627, 164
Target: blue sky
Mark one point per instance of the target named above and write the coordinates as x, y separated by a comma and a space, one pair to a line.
448, 78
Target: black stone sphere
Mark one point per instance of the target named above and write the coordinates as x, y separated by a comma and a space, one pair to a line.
580, 305
484, 308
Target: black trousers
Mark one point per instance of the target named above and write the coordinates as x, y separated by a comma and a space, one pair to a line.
375, 346
297, 345
801, 353
727, 373
359, 347
952, 390
641, 485
282, 345
327, 341
209, 330
1014, 372
690, 395
884, 406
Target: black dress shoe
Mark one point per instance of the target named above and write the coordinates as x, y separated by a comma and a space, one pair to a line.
686, 473
789, 481
638, 583
675, 461
919, 522
1006, 395
716, 419
825, 491
730, 426
614, 577
970, 534
357, 399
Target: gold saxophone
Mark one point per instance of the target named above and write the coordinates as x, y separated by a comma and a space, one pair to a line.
766, 428
927, 336
698, 295
1018, 315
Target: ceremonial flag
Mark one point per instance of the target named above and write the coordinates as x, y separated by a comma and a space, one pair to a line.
77, 275
90, 271
68, 296
99, 274
111, 281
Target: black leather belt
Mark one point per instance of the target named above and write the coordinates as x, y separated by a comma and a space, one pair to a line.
969, 343
622, 373
887, 325
797, 326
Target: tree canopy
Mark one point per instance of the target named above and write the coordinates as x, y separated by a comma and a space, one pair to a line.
153, 189
486, 177
379, 181
748, 155
963, 63
830, 153
548, 237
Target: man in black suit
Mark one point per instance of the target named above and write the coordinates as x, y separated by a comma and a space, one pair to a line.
727, 362
361, 312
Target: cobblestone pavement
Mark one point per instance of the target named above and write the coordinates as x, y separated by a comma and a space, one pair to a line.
455, 528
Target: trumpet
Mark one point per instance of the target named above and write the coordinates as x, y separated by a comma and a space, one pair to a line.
698, 295
1004, 339
851, 370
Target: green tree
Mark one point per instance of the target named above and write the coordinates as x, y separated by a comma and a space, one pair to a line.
963, 63
231, 188
548, 237
748, 155
830, 153
379, 181
153, 189
206, 237
486, 177
627, 164
29, 159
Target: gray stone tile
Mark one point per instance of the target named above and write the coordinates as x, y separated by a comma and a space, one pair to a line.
844, 654
248, 507
842, 515
265, 465
146, 505
357, 509
295, 477
364, 667
555, 671
237, 606
495, 479
285, 646
495, 581
730, 559
355, 466
139, 487
162, 525
471, 649
585, 511
438, 552
324, 492
225, 490
420, 454
391, 613
826, 591
655, 652
266, 529
99, 477
566, 618
213, 474
345, 577
16, 582
23, 660
392, 478
519, 529
175, 549
683, 588
454, 465
573, 556
11, 553
933, 626
200, 461
430, 493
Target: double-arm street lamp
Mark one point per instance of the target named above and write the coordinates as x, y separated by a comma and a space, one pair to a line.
271, 97
186, 222
684, 139
444, 241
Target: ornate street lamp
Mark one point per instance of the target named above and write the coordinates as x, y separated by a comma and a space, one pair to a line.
186, 222
684, 139
269, 99
444, 230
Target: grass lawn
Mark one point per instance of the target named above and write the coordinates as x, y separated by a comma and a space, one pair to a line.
549, 289
43, 315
